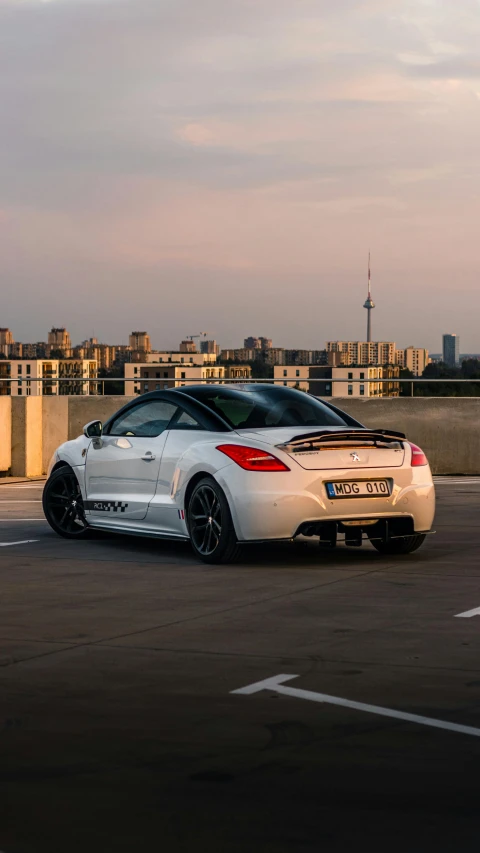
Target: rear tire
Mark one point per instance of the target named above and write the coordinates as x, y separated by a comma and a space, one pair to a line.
63, 504
210, 524
405, 545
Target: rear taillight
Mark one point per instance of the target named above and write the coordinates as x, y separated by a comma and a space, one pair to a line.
418, 456
252, 459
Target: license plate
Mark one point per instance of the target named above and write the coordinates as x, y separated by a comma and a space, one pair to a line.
358, 489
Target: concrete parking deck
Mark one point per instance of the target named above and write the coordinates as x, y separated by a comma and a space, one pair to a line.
119, 730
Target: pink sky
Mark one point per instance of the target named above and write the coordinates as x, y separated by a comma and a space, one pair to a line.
228, 165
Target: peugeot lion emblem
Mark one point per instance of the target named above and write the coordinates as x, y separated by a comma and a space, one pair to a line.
355, 457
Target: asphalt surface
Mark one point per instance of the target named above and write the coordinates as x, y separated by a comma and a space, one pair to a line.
119, 730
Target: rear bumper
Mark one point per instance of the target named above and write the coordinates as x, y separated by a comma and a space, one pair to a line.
277, 506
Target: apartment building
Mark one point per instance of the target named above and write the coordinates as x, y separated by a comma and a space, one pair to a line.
242, 354
140, 341
257, 343
188, 346
198, 359
238, 371
209, 347
39, 377
275, 356
141, 378
35, 351
324, 381
103, 354
413, 359
364, 352
59, 341
6, 341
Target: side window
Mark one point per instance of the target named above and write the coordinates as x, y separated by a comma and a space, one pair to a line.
144, 420
185, 421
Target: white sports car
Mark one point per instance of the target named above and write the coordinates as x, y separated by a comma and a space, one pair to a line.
222, 466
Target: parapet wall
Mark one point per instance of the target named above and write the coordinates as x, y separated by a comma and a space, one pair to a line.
447, 428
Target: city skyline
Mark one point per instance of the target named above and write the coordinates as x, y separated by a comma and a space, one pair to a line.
236, 158
136, 340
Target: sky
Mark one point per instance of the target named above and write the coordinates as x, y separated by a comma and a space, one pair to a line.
226, 165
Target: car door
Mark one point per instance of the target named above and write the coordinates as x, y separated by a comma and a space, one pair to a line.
184, 431
122, 466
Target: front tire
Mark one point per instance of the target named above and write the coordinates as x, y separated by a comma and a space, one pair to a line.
405, 545
63, 504
210, 524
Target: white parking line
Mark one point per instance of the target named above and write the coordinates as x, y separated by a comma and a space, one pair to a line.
276, 683
468, 613
23, 542
20, 502
456, 481
23, 485
9, 520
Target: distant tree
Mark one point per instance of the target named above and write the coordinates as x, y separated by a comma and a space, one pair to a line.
261, 370
470, 369
405, 387
111, 388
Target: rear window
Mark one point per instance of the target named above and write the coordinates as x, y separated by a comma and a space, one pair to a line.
272, 407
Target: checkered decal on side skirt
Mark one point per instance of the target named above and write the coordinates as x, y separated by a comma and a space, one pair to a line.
106, 506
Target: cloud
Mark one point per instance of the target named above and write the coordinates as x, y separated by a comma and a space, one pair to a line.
145, 141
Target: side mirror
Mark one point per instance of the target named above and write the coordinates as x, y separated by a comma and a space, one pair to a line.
93, 429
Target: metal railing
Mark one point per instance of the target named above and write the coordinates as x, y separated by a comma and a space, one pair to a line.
27, 383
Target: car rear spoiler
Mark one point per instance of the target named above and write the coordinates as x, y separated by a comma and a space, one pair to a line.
315, 440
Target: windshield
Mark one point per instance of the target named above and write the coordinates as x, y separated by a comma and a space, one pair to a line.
265, 407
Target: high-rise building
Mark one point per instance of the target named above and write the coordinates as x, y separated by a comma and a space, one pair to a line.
413, 359
59, 340
209, 347
363, 352
451, 350
123, 354
15, 350
140, 341
242, 354
257, 343
35, 351
6, 341
188, 346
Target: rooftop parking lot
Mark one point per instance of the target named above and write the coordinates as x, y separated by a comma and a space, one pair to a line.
120, 730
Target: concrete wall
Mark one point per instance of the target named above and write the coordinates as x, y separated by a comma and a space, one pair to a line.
55, 426
83, 410
27, 436
5, 433
447, 428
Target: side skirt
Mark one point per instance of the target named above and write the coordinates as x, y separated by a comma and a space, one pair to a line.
139, 531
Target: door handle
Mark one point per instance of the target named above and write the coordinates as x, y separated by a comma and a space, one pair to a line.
149, 457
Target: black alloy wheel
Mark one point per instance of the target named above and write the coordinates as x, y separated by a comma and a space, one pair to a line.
63, 504
210, 524
402, 545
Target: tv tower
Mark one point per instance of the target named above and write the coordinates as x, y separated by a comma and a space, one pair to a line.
369, 304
